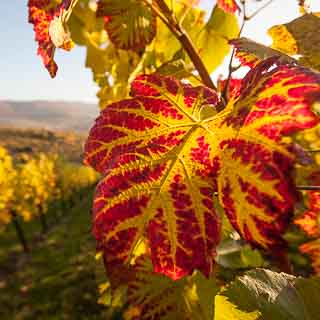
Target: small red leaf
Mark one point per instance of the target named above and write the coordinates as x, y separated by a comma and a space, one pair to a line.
42, 14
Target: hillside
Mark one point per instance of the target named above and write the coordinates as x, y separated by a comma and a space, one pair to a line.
51, 115
33, 141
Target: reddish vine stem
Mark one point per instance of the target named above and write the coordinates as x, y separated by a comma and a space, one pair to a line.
166, 15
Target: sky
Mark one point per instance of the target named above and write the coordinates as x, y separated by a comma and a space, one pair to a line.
23, 77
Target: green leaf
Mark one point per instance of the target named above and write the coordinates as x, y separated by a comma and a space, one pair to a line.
250, 53
299, 37
212, 41
274, 295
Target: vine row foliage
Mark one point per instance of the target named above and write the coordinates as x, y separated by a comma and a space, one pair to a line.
190, 168
30, 186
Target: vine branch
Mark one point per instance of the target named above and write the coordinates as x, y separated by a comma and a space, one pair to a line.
166, 15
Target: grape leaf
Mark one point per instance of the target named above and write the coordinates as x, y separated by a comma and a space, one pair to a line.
266, 295
267, 108
166, 151
130, 23
155, 185
300, 36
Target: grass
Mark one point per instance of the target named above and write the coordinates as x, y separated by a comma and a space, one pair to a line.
59, 278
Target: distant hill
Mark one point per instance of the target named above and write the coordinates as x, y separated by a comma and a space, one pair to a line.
51, 115
33, 141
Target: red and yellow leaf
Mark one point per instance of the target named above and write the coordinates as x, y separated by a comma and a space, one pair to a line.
166, 151
130, 24
45, 16
255, 185
158, 176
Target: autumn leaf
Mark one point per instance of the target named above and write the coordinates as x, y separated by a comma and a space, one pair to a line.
255, 185
157, 177
49, 29
166, 151
130, 23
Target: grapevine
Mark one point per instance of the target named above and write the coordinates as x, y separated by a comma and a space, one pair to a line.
187, 165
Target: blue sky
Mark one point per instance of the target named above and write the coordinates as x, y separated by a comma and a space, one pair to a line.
22, 76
